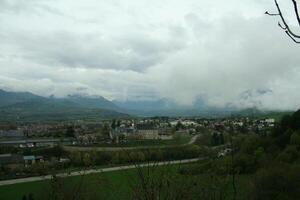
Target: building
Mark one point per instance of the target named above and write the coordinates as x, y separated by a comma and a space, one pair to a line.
29, 160
147, 131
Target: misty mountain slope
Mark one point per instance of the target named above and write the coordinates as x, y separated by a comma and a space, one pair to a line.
54, 110
29, 107
166, 107
10, 98
92, 102
144, 105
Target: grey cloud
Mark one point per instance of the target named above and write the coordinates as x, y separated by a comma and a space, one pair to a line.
211, 50
238, 55
71, 50
28, 7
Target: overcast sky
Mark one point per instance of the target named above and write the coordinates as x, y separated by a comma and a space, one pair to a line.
224, 52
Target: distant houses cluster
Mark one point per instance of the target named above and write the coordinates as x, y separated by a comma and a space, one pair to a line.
148, 128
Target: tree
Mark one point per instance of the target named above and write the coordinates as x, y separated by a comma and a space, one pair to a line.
113, 124
106, 130
276, 182
214, 139
70, 132
179, 126
221, 139
283, 24
295, 139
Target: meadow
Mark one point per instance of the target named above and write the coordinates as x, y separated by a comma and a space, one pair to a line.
117, 185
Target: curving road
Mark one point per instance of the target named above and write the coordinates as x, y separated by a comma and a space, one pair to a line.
93, 171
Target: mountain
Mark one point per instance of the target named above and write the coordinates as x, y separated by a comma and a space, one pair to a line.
92, 102
24, 106
10, 98
144, 105
166, 107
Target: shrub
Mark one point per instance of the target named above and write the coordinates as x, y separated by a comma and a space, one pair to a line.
295, 139
276, 183
289, 155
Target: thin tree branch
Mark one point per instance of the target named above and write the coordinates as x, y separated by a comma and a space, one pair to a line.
285, 25
279, 24
296, 11
298, 42
271, 14
284, 21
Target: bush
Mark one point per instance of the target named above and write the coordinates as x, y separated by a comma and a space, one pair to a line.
155, 155
244, 163
137, 156
289, 155
295, 139
103, 158
277, 182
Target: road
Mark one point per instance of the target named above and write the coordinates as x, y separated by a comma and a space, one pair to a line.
92, 171
76, 148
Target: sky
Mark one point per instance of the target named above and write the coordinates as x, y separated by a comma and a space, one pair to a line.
222, 52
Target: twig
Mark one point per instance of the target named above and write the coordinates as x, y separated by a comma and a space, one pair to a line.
296, 11
285, 25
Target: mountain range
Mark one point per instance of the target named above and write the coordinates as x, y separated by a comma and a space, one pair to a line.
25, 106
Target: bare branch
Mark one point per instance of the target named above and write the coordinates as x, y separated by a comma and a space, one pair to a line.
284, 21
279, 24
284, 25
296, 11
271, 14
298, 42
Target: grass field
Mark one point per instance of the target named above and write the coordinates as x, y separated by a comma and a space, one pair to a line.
110, 185
116, 186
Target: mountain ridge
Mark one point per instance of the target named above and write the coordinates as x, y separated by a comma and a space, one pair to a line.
25, 106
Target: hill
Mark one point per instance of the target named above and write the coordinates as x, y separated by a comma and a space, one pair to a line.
21, 106
92, 102
10, 98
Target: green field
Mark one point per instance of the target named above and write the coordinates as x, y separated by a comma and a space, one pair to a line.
112, 185
115, 185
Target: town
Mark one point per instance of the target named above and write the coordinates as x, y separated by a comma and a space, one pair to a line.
22, 145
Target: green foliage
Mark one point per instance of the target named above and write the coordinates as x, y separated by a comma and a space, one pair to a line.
278, 182
103, 158
179, 126
217, 139
244, 163
289, 155
287, 126
8, 149
56, 151
70, 132
105, 130
137, 156
250, 144
295, 139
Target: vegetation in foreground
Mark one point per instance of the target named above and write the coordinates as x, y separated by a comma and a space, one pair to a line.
166, 181
256, 166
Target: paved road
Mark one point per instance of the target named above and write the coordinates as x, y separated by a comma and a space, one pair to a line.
76, 148
92, 171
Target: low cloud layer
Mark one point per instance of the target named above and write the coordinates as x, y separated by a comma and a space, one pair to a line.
225, 53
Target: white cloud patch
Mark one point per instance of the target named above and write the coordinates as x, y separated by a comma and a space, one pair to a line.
224, 52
